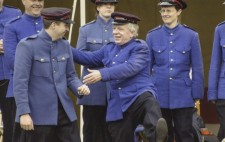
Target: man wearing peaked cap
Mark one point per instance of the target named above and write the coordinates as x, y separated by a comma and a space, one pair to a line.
93, 36
175, 52
131, 93
44, 67
29, 23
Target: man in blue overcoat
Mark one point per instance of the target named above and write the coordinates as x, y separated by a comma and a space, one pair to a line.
25, 25
177, 70
29, 23
43, 71
131, 95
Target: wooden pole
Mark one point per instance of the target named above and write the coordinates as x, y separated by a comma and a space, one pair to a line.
82, 22
72, 18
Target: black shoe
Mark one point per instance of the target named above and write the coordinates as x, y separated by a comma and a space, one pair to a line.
161, 130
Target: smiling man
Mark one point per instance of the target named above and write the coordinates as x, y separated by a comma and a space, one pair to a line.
28, 24
131, 94
175, 51
92, 36
44, 69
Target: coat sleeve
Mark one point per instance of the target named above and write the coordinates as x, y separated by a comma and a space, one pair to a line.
72, 78
92, 59
215, 67
148, 41
23, 63
197, 69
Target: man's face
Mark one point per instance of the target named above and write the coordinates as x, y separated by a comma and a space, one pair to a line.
122, 34
60, 29
105, 10
33, 7
169, 15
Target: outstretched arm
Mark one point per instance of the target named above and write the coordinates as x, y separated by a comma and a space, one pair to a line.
88, 58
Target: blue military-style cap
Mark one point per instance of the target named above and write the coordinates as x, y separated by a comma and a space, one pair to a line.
104, 1
57, 14
180, 3
124, 18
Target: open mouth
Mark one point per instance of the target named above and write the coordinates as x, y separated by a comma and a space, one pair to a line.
166, 18
36, 7
117, 37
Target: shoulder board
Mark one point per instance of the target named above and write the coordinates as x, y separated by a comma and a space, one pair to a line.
157, 28
188, 27
9, 6
140, 40
14, 19
111, 42
89, 23
31, 37
221, 23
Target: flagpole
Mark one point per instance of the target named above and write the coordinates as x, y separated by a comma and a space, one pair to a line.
72, 18
82, 22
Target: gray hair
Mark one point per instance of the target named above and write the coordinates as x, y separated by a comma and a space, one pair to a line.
133, 28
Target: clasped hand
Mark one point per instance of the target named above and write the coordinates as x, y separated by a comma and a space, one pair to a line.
83, 90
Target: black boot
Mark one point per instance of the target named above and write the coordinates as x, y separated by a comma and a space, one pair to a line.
161, 130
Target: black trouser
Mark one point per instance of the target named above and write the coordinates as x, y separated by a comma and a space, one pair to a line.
65, 131
179, 123
8, 109
42, 133
220, 108
95, 127
146, 111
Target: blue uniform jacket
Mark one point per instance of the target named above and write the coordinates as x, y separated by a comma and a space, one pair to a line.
15, 30
43, 71
127, 70
216, 87
6, 15
92, 37
174, 52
